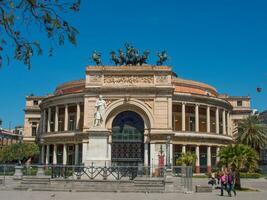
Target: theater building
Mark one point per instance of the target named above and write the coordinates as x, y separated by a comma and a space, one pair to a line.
151, 116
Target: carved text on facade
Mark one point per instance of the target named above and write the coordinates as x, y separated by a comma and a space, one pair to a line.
129, 80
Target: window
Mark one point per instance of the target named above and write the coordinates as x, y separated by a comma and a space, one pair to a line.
192, 124
35, 102
34, 130
239, 103
72, 122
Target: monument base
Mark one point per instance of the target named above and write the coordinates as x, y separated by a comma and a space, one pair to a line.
99, 151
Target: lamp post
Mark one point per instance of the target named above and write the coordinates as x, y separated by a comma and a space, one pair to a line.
168, 141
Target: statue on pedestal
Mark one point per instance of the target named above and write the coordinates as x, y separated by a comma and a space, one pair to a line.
100, 111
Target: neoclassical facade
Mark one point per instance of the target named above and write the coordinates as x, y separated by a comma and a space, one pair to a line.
151, 117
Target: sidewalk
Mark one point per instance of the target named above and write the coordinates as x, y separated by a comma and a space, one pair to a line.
22, 195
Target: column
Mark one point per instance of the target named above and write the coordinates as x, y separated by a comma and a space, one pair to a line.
224, 122
146, 154
85, 148
49, 120
64, 154
55, 155
171, 154
76, 154
197, 160
183, 116
152, 159
47, 154
228, 124
56, 119
208, 160
66, 121
208, 119
42, 154
197, 117
78, 113
44, 121
183, 149
217, 154
217, 121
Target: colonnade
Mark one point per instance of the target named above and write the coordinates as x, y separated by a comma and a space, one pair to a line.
46, 117
225, 115
45, 154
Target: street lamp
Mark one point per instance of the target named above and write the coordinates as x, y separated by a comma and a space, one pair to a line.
168, 141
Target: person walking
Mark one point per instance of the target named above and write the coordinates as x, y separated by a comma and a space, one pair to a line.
224, 181
231, 182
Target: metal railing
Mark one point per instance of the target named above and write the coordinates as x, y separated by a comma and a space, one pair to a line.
180, 175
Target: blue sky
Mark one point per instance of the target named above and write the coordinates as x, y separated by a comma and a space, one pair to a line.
222, 43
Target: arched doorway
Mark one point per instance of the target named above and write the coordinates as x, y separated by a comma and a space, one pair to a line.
127, 139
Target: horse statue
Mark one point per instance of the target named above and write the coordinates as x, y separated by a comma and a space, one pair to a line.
114, 58
96, 57
122, 57
142, 59
163, 57
131, 54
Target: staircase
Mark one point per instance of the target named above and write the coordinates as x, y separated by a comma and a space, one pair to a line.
149, 185
34, 183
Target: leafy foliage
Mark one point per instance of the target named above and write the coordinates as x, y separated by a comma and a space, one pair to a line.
252, 132
17, 17
188, 159
242, 157
18, 152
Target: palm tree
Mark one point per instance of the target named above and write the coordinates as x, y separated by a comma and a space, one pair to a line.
252, 132
239, 156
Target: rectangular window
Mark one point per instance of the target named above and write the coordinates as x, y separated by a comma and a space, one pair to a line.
72, 122
34, 130
35, 102
192, 124
239, 103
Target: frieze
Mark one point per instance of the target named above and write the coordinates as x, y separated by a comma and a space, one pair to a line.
162, 79
129, 80
95, 78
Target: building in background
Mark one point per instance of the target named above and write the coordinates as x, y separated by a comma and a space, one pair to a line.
8, 137
241, 109
151, 115
263, 152
32, 118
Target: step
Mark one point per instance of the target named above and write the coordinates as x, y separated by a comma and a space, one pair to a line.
34, 182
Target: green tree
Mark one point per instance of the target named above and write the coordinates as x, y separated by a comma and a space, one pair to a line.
18, 152
19, 17
188, 159
252, 132
240, 157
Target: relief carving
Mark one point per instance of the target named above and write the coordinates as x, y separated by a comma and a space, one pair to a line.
109, 101
148, 102
95, 78
162, 79
130, 80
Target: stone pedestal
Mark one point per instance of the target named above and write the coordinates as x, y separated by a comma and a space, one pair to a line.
40, 171
18, 172
98, 149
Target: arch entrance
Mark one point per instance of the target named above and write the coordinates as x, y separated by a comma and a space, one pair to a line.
127, 147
